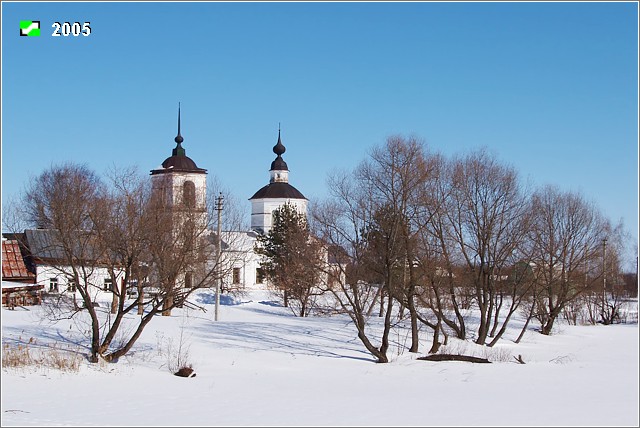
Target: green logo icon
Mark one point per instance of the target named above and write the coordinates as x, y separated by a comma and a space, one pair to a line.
30, 28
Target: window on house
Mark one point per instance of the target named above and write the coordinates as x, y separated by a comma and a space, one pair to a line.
108, 284
188, 280
53, 284
236, 275
259, 276
71, 286
189, 194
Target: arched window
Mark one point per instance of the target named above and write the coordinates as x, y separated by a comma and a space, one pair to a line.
189, 194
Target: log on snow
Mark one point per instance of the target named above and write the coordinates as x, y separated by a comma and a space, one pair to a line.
453, 357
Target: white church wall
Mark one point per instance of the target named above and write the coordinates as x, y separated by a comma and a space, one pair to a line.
262, 211
240, 260
172, 185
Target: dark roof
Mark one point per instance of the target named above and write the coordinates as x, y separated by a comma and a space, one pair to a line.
179, 163
278, 190
45, 245
279, 165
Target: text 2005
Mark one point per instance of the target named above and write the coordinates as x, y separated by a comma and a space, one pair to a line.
71, 29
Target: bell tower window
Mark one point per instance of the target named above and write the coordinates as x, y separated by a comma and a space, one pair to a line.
189, 194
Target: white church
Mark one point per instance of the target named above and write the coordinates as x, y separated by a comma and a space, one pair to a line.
182, 186
181, 181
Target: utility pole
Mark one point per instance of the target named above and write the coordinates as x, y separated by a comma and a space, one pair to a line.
218, 208
604, 275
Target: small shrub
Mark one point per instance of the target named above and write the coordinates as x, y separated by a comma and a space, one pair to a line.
501, 355
27, 355
61, 360
16, 356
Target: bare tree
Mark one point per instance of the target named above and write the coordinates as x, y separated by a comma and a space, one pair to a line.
612, 295
165, 252
61, 202
567, 238
340, 223
488, 216
395, 177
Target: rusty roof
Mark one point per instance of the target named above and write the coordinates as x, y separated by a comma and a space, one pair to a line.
13, 266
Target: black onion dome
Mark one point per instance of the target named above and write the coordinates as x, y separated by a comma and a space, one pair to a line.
278, 190
279, 165
279, 148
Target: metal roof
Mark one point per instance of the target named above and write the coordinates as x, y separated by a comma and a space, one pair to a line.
46, 245
13, 265
277, 190
178, 163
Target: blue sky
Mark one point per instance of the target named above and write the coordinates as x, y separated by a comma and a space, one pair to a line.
551, 88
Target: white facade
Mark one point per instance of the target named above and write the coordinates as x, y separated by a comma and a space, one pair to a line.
59, 279
240, 261
262, 211
174, 187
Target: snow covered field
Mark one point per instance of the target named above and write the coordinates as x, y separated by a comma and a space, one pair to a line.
261, 366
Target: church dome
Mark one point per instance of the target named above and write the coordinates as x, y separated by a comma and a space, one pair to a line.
279, 164
178, 161
278, 190
181, 163
278, 186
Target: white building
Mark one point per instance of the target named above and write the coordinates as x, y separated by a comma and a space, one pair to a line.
275, 194
51, 271
246, 271
182, 185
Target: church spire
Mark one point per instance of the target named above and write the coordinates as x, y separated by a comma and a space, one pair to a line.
279, 171
279, 148
179, 151
279, 164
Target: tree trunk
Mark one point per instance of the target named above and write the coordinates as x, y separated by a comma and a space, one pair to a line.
496, 317
526, 324
414, 331
112, 357
455, 357
166, 305
375, 299
460, 328
548, 326
140, 300
114, 297
387, 327
435, 345
485, 316
503, 328
303, 308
